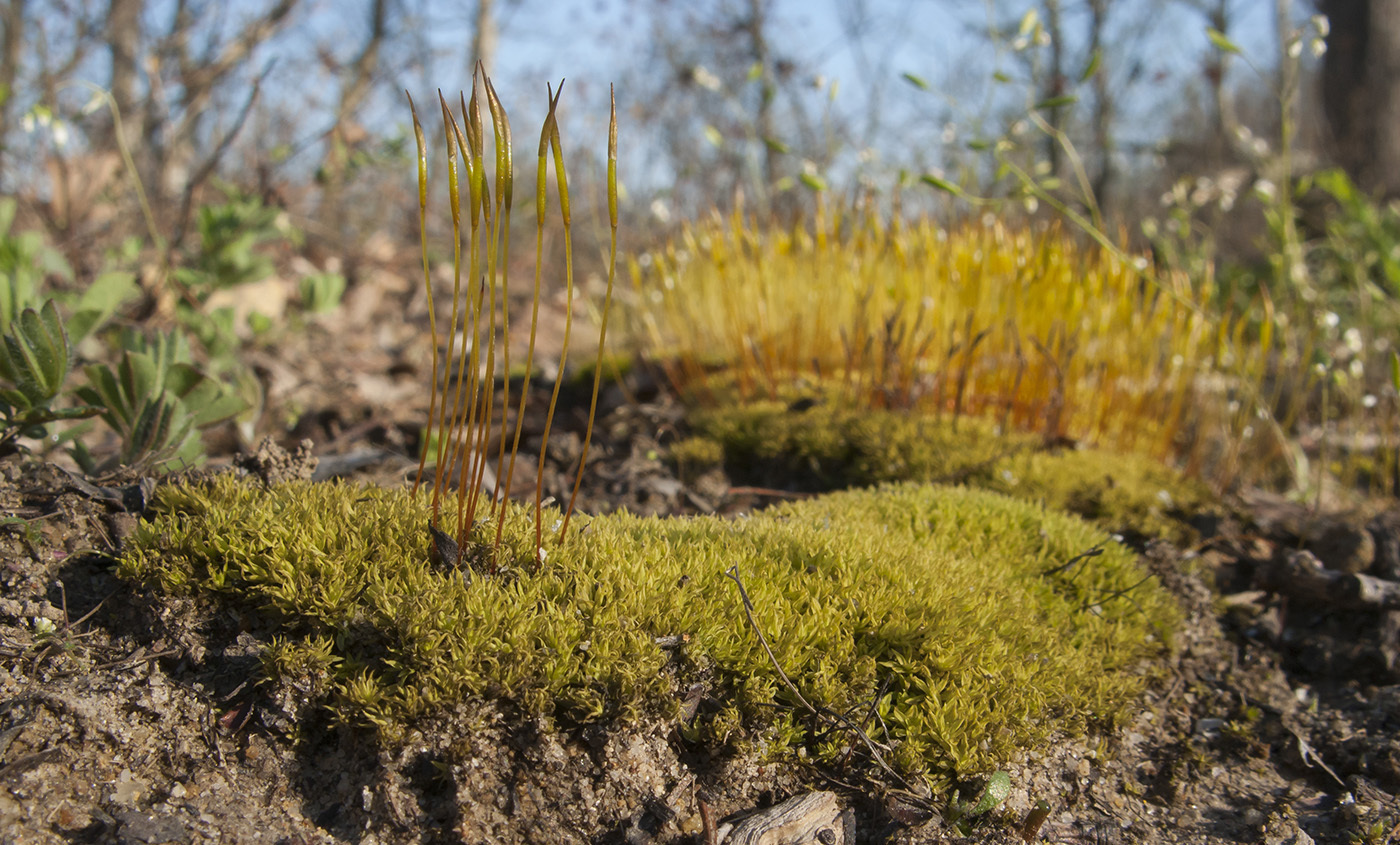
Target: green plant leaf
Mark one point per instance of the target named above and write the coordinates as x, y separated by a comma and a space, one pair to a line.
941, 184
1221, 41
996, 791
1092, 67
36, 357
99, 302
53, 352
1056, 102
713, 136
141, 378
917, 81
1028, 22
813, 181
150, 436
1395, 369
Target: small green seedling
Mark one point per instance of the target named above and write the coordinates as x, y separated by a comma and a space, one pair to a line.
965, 815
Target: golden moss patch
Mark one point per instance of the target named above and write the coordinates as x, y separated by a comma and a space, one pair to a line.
1016, 323
949, 598
831, 447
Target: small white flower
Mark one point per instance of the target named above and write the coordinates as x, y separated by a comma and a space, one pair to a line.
1295, 48
1330, 319
1164, 497
1356, 368
43, 627
1317, 47
1352, 338
1265, 190
1369, 401
1321, 25
1140, 263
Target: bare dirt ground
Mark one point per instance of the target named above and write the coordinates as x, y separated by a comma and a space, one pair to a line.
129, 718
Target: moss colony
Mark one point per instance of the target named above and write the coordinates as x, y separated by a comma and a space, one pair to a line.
824, 448
954, 601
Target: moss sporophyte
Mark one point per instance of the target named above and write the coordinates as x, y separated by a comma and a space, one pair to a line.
462, 410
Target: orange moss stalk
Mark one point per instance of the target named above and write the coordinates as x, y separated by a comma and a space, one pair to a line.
463, 415
561, 181
541, 203
427, 280
607, 305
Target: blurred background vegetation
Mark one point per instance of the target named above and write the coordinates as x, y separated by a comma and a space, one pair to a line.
1252, 147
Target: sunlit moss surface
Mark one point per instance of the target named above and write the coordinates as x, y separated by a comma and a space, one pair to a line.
946, 597
831, 447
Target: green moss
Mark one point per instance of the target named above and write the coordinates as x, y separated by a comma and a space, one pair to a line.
825, 448
945, 595
1119, 492
695, 455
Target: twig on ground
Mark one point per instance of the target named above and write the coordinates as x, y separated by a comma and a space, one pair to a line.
1085, 555
820, 713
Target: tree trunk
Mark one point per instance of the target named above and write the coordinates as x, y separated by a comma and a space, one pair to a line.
768, 91
485, 38
11, 39
124, 40
1053, 85
1103, 106
1361, 91
335, 165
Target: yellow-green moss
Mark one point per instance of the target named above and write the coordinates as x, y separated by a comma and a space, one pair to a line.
826, 447
831, 447
945, 595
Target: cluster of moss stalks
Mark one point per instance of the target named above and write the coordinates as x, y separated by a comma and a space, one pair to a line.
948, 603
